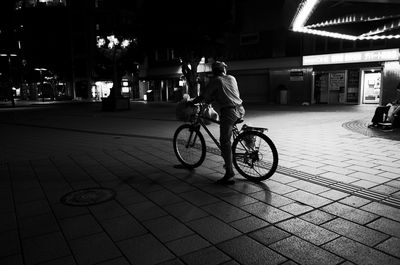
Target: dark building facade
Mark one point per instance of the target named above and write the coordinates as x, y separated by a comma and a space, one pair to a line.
274, 64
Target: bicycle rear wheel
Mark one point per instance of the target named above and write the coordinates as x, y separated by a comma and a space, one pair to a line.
189, 146
254, 156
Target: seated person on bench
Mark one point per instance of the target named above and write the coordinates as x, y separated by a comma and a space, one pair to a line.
387, 113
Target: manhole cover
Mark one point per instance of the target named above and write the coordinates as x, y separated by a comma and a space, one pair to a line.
86, 197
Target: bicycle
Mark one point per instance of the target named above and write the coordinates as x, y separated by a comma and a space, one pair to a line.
254, 154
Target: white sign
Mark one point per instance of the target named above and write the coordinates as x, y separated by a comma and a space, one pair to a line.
353, 57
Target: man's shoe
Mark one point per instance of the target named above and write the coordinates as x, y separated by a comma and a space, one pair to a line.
226, 180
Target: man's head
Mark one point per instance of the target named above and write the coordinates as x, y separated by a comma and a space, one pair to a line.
218, 68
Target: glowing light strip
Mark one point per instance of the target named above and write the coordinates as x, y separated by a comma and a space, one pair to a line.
386, 27
305, 11
348, 19
308, 6
327, 34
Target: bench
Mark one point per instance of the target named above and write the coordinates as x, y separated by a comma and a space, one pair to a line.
387, 125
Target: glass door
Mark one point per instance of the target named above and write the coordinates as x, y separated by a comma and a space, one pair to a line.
371, 86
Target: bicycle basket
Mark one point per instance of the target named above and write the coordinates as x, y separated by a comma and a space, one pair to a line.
184, 112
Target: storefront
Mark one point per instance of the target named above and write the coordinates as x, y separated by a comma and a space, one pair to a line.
364, 77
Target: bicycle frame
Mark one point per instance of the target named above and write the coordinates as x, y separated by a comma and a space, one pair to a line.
198, 121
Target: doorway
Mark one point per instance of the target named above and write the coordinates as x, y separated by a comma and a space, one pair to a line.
371, 86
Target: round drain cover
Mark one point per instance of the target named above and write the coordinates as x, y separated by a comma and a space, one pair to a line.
89, 196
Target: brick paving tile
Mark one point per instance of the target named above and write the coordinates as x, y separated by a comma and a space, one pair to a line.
383, 210
248, 251
213, 229
309, 187
355, 201
308, 198
167, 228
107, 210
266, 212
198, 198
359, 253
350, 213
296, 208
79, 226
62, 211
144, 249
129, 196
385, 189
146, 210
225, 211
387, 226
32, 195
44, 248
355, 231
9, 242
172, 262
334, 195
231, 262
269, 235
289, 262
185, 245
249, 224
11, 260
239, 199
271, 198
123, 227
29, 209
304, 253
307, 231
391, 246
208, 256
317, 217
38, 225
339, 177
178, 186
185, 211
61, 261
117, 261
8, 221
364, 184
369, 177
93, 249
279, 187
163, 197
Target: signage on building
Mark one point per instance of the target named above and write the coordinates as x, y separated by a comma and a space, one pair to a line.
296, 76
353, 57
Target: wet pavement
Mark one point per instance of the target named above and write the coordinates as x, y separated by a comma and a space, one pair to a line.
334, 199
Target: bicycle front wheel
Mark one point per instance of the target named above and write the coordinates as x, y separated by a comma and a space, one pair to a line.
189, 146
254, 156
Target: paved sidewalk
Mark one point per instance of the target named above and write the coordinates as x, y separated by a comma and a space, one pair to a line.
334, 200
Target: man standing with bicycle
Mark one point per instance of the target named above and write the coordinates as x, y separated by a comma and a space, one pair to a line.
223, 90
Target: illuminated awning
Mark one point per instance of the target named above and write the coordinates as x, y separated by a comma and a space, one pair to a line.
352, 57
349, 19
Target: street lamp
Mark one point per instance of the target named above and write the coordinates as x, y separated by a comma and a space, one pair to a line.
41, 80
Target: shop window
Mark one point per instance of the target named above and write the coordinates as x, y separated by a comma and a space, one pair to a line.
353, 83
